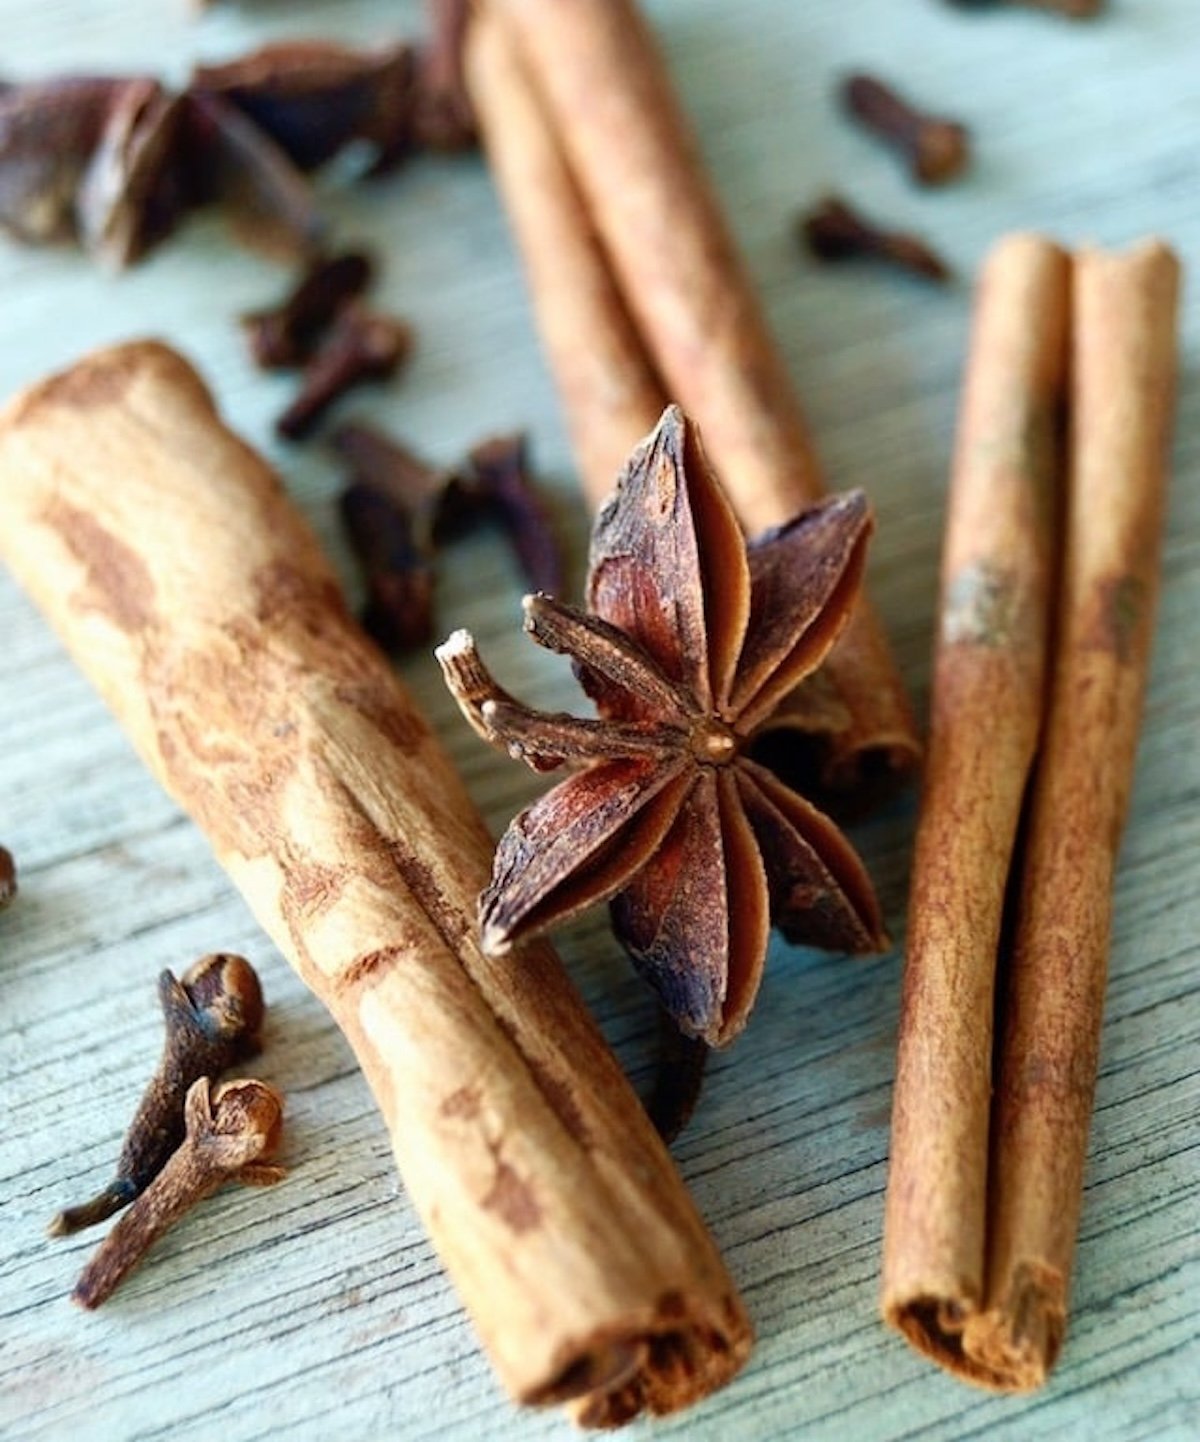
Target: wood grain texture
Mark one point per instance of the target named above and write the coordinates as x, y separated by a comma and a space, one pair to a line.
320, 1305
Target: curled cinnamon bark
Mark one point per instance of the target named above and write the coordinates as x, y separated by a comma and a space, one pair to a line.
610, 394
983, 1204
986, 714
1122, 391
200, 605
630, 153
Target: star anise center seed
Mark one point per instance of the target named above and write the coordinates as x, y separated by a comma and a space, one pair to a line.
713, 742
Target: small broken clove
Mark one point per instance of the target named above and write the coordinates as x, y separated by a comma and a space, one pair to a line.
286, 334
833, 231
1072, 9
935, 149
313, 98
230, 1135
362, 345
8, 877
444, 118
213, 1018
499, 467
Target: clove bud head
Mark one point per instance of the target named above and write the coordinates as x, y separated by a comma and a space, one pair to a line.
227, 998
241, 1122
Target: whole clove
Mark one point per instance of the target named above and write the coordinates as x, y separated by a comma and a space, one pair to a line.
500, 469
398, 572
286, 334
362, 345
399, 509
834, 232
438, 501
8, 877
395, 510
213, 1017
935, 149
230, 1135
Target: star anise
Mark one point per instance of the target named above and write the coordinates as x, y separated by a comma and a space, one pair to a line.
691, 640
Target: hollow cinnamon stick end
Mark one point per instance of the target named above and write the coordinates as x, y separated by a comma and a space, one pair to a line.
690, 1347
1010, 1347
932, 1324
1016, 1346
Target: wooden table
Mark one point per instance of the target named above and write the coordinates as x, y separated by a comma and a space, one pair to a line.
319, 1309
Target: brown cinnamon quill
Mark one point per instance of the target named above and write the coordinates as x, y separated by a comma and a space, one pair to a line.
983, 1205
643, 260
200, 605
986, 715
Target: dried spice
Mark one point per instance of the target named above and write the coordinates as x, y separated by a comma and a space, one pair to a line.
361, 345
213, 1017
834, 231
230, 1136
8, 877
581, 1258
226, 158
935, 149
395, 507
499, 468
691, 640
399, 576
313, 98
116, 162
286, 334
49, 130
399, 509
131, 194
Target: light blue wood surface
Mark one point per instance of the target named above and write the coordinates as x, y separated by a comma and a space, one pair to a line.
319, 1309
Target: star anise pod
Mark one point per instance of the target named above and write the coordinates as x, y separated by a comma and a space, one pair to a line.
691, 640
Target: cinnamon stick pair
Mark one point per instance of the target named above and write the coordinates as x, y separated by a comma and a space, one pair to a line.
1048, 599
167, 556
641, 297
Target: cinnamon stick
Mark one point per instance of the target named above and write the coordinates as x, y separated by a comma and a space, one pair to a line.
607, 97
1123, 376
610, 394
980, 1281
986, 714
167, 556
